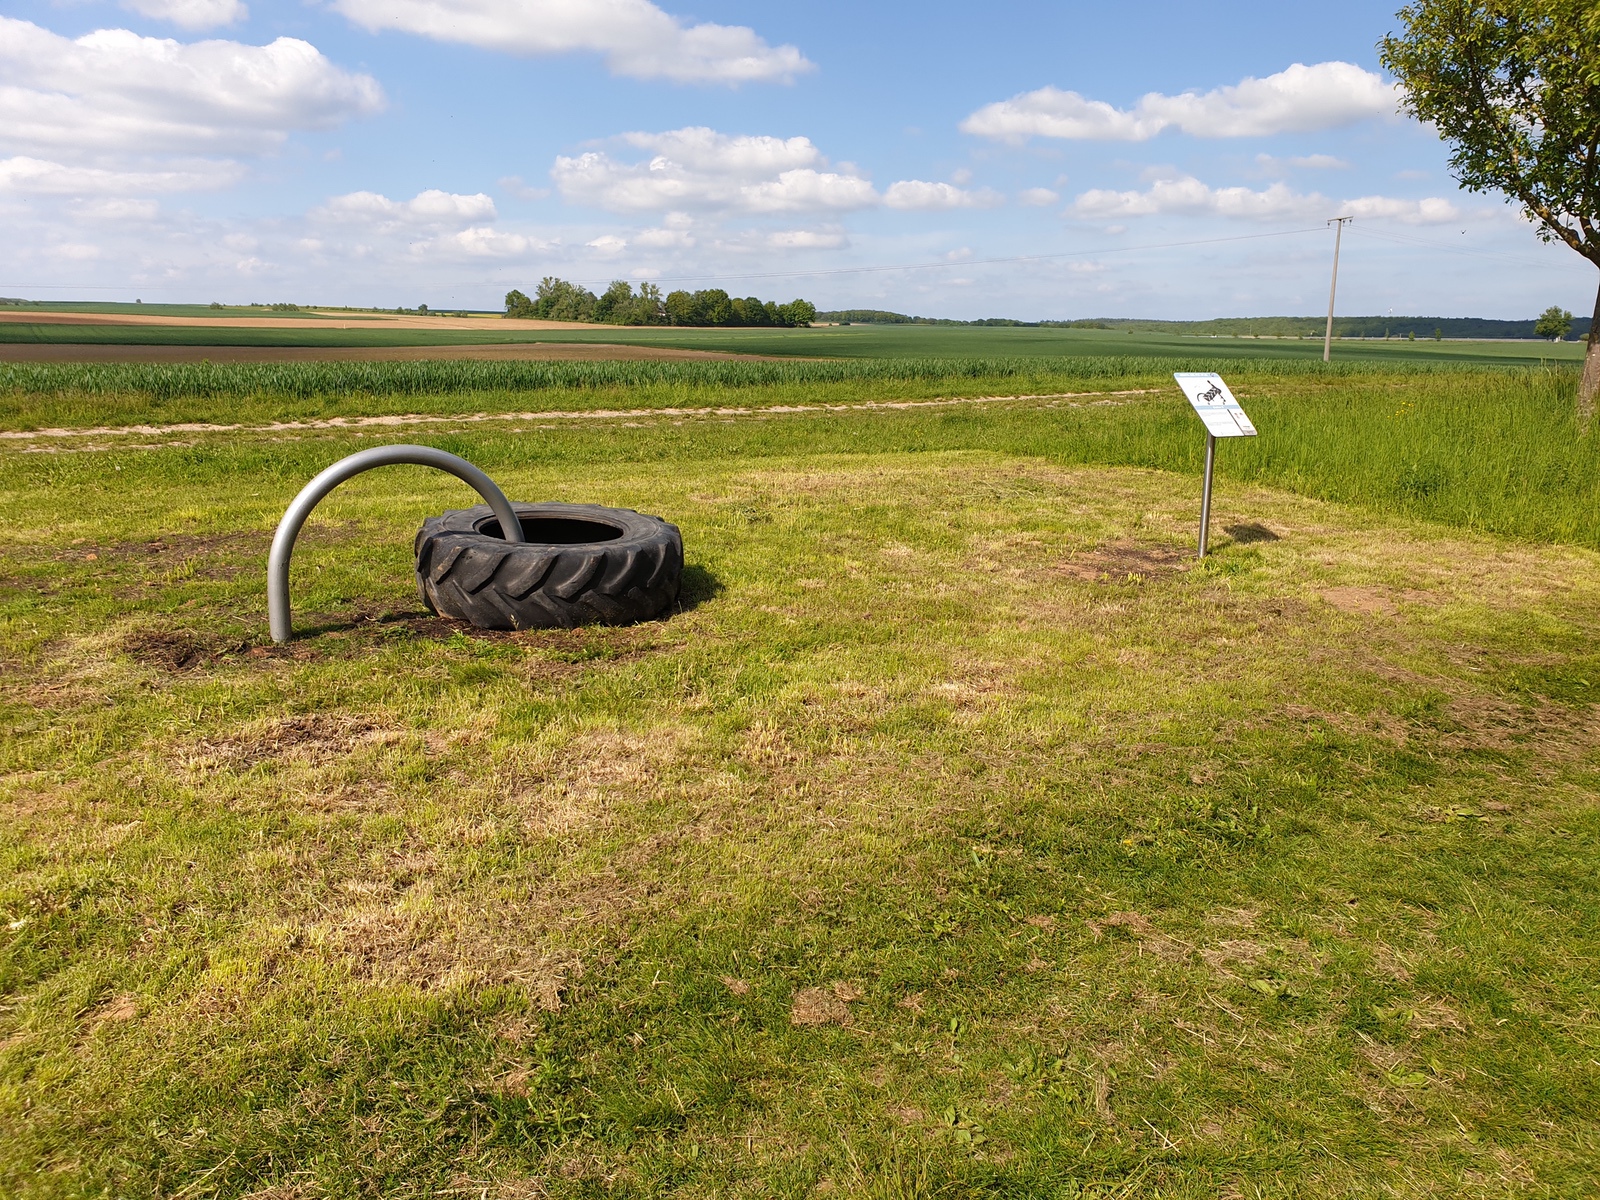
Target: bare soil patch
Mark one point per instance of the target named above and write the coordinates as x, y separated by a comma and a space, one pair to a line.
1127, 562
177, 650
313, 737
824, 1005
314, 319
1364, 601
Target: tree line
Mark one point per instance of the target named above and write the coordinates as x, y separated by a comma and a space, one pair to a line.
557, 300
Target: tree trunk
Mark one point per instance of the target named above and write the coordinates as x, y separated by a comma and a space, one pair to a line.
1589, 386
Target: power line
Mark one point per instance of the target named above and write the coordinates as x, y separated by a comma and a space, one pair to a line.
972, 262
1405, 239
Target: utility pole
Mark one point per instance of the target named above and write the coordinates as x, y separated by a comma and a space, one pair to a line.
1338, 236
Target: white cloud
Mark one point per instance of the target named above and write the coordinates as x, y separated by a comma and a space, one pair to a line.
114, 211
1434, 210
700, 168
1189, 196
40, 177
806, 239
430, 209
1318, 162
664, 239
1038, 197
190, 14
115, 91
483, 242
637, 38
608, 244
1299, 99
917, 194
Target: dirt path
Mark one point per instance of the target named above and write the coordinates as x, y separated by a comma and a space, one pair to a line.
68, 352
628, 414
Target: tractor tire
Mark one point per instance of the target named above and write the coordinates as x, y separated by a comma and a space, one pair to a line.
581, 564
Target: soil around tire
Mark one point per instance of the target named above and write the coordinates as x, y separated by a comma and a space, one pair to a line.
583, 564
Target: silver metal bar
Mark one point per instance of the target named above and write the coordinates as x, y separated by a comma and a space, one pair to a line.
1205, 496
295, 515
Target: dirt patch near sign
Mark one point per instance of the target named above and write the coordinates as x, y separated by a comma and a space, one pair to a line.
1126, 562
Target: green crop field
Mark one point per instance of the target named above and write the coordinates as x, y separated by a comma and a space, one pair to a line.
854, 341
108, 308
958, 835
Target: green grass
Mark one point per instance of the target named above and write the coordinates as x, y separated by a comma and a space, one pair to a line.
1491, 450
855, 341
1270, 877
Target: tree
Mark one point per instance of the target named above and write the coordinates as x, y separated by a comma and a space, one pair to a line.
798, 313
518, 305
680, 308
559, 300
615, 304
1514, 87
1553, 323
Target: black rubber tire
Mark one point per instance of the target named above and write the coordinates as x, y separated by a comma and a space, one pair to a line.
473, 575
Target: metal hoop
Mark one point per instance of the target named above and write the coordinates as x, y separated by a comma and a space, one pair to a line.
295, 515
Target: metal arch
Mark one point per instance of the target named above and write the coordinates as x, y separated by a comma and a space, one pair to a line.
311, 495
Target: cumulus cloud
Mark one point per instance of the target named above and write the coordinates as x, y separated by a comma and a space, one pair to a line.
483, 242
117, 211
432, 208
40, 177
635, 37
113, 91
806, 239
917, 194
1038, 197
699, 168
664, 239
1189, 196
1299, 99
191, 14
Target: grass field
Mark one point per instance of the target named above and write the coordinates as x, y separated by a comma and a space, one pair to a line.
855, 341
960, 836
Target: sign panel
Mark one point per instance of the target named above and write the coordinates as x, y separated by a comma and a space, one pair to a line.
1215, 403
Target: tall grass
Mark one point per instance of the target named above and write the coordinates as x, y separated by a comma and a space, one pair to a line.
1493, 449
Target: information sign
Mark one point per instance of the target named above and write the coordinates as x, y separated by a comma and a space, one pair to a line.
1215, 403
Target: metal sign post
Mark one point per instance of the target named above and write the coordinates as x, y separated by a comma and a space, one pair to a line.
1223, 418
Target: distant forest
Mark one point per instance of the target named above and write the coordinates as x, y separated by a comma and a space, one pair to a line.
1348, 327
558, 300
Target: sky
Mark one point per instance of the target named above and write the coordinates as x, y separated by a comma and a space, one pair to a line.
1022, 159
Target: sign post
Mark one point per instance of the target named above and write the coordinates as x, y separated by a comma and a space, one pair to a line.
1222, 417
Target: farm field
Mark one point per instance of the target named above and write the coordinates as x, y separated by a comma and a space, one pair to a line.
959, 836
854, 341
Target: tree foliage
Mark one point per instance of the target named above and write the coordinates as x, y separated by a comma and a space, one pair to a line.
1514, 87
1553, 323
558, 300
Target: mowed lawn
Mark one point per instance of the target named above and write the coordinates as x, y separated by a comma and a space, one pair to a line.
959, 836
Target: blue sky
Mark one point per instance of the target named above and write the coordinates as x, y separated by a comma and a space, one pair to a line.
1153, 159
